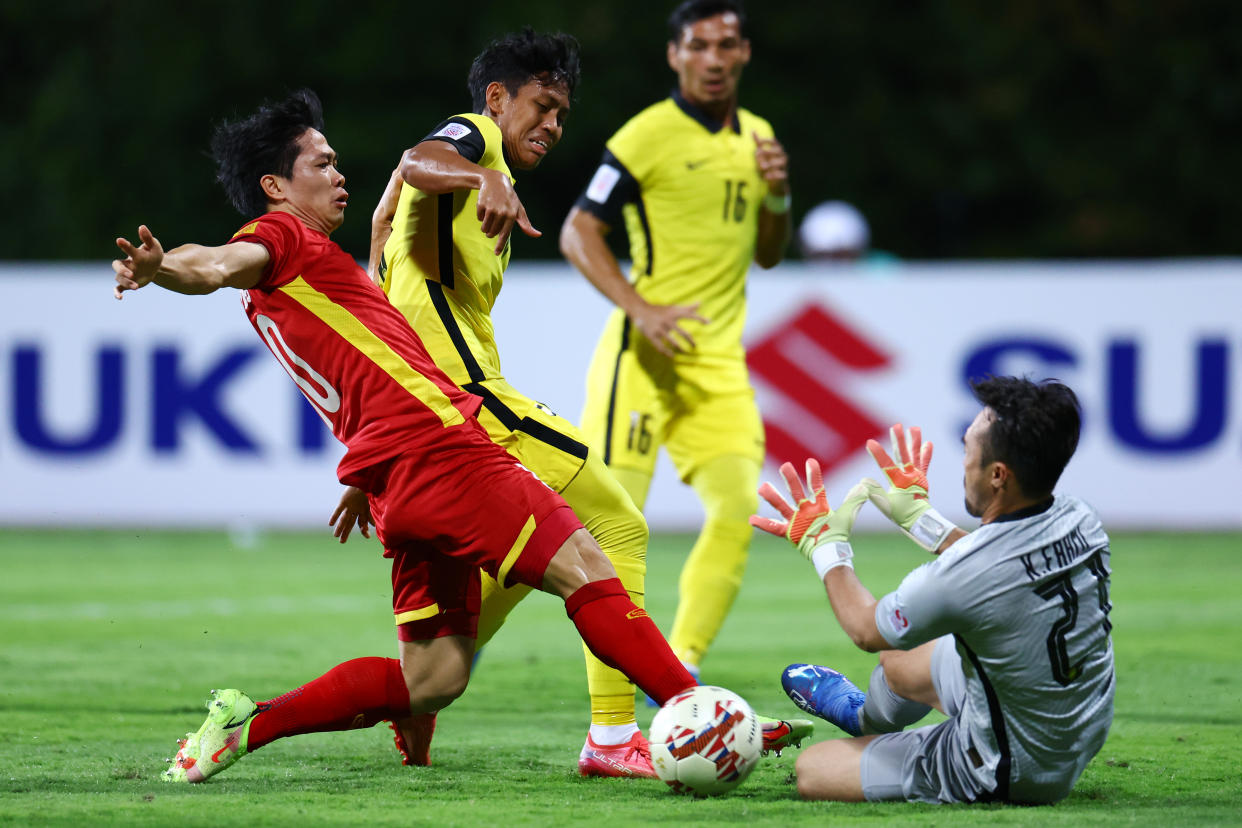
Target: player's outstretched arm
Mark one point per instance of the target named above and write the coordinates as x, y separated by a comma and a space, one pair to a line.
189, 269
583, 244
822, 535
436, 167
905, 502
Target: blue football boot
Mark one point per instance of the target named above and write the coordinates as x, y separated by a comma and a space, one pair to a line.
825, 693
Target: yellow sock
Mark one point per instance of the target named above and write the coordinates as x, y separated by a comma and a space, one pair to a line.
712, 575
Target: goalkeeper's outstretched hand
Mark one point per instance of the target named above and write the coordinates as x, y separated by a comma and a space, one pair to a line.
820, 532
905, 501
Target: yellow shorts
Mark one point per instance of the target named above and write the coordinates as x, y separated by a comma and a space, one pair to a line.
639, 400
547, 444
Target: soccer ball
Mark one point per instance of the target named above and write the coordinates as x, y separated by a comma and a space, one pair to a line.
705, 741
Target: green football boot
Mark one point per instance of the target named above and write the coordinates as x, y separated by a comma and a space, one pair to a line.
220, 742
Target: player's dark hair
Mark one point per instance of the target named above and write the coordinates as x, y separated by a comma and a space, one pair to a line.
515, 59
1035, 431
692, 11
263, 143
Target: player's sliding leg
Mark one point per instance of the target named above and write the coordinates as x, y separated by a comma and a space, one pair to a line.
355, 694
412, 735
620, 634
712, 574
614, 745
778, 734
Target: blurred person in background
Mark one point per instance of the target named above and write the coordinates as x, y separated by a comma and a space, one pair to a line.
836, 231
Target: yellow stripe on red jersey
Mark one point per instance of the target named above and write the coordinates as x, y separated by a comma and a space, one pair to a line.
348, 350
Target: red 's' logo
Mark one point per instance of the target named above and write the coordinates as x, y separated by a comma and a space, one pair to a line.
800, 360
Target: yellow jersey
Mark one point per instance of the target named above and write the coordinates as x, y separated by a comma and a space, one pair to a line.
689, 193
439, 269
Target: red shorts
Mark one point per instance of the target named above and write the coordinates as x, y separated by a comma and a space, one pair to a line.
445, 514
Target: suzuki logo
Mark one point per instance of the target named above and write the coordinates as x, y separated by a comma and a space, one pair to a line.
797, 361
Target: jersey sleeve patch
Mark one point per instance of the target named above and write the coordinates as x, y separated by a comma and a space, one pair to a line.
605, 178
453, 130
610, 189
463, 135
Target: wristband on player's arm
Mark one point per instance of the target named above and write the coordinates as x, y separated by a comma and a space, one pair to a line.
829, 556
930, 529
777, 204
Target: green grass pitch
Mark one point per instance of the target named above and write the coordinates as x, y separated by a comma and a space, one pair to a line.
109, 642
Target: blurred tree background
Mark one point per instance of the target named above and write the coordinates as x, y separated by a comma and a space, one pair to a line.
961, 128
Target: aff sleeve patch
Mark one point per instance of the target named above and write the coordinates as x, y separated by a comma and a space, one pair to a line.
453, 130
600, 188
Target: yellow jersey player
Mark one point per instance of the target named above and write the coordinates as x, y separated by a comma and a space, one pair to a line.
440, 249
702, 189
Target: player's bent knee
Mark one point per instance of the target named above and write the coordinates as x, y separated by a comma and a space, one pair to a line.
577, 563
436, 690
436, 671
908, 674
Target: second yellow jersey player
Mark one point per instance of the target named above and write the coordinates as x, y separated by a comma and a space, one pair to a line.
701, 188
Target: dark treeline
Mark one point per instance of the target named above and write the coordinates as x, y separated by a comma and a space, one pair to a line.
962, 128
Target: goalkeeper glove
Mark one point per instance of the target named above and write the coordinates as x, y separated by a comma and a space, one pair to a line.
819, 532
905, 501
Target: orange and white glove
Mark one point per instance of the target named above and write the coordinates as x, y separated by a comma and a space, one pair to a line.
905, 501
821, 533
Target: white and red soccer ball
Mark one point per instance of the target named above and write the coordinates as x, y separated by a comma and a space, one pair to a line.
705, 741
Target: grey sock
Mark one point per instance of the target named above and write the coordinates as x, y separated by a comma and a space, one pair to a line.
885, 711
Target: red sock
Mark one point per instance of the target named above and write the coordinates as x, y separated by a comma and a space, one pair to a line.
357, 693
625, 638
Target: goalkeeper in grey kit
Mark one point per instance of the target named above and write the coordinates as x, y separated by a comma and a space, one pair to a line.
1006, 631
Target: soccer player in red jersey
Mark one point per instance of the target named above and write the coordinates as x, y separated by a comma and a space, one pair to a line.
413, 445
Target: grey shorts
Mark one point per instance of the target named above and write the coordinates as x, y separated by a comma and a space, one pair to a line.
926, 764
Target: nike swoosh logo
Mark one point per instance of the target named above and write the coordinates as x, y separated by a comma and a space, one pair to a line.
694, 165
229, 744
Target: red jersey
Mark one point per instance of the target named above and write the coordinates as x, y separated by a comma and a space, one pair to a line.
350, 352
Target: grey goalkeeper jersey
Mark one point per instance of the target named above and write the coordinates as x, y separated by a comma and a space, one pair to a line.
1026, 598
